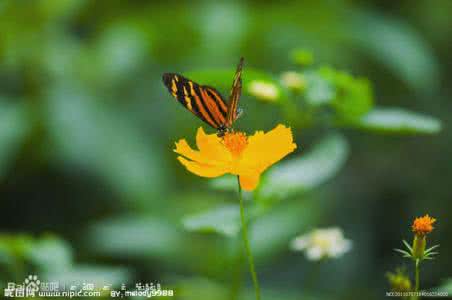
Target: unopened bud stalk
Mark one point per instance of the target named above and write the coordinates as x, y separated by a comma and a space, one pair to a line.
419, 243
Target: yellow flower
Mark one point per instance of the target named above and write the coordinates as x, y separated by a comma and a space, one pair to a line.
423, 225
237, 154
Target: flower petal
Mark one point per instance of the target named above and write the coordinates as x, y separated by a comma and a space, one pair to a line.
314, 253
249, 181
201, 169
211, 150
301, 242
211, 147
265, 149
184, 149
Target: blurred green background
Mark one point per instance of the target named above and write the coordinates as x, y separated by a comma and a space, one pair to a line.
91, 189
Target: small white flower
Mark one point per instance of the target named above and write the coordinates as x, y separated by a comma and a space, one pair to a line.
263, 90
293, 80
322, 243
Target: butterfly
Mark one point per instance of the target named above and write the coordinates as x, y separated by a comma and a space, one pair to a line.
206, 102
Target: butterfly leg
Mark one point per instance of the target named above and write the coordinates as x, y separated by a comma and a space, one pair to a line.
239, 113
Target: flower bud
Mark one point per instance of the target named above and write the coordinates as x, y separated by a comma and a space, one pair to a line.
293, 80
263, 90
419, 243
399, 281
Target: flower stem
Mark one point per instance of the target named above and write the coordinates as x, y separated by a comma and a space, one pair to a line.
247, 244
417, 270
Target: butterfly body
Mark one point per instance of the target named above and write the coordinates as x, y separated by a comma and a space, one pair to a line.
206, 102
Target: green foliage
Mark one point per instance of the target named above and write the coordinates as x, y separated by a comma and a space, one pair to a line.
302, 57
397, 46
446, 286
353, 96
140, 237
14, 127
195, 288
51, 258
51, 254
99, 138
99, 276
398, 121
271, 232
307, 171
349, 98
224, 183
223, 220
87, 128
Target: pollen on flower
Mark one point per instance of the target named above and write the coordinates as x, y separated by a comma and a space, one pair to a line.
423, 225
235, 142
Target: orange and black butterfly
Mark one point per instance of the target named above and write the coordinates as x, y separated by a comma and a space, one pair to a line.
205, 101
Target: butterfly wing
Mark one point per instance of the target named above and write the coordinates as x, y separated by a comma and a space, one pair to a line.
203, 101
235, 96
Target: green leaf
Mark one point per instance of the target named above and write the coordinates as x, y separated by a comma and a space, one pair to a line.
224, 183
13, 255
271, 233
353, 95
99, 276
407, 245
51, 253
399, 121
105, 141
211, 289
19, 252
309, 170
132, 236
14, 127
16, 245
120, 51
224, 220
302, 57
445, 287
431, 249
405, 253
398, 46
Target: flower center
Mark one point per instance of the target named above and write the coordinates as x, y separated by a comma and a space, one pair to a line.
236, 142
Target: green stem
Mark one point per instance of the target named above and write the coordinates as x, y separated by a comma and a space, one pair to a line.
417, 270
247, 244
